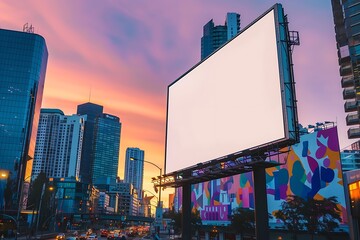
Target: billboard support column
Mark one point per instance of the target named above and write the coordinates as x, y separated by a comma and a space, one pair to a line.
261, 208
186, 211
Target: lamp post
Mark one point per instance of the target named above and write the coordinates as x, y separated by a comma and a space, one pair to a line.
4, 174
160, 169
158, 214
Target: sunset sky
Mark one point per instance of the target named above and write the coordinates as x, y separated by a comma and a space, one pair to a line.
124, 54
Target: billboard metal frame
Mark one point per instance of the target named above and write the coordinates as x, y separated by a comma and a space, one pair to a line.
233, 163
255, 159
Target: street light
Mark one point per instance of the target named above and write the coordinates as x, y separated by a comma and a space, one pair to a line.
158, 214
160, 169
4, 174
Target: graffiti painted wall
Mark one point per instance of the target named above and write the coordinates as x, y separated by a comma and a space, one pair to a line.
312, 169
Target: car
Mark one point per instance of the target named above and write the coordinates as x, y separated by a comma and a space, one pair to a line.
92, 237
60, 236
104, 233
110, 235
132, 234
71, 238
147, 237
83, 236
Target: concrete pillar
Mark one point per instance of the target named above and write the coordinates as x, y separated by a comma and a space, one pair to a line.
221, 236
207, 236
261, 209
186, 211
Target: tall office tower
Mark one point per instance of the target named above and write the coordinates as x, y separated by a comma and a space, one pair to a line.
58, 144
107, 130
216, 36
134, 168
347, 22
92, 111
23, 60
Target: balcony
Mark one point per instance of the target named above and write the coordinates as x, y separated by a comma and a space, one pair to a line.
351, 106
349, 93
347, 82
345, 69
344, 60
352, 119
353, 132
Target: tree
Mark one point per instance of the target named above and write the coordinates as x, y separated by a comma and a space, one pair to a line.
291, 213
177, 223
312, 215
243, 221
10, 193
34, 199
321, 215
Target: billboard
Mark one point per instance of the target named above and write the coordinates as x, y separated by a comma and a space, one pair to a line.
313, 170
237, 99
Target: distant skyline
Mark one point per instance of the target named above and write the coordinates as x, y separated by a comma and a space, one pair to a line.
126, 54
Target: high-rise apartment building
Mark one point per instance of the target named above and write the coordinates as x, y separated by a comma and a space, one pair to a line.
58, 144
134, 168
107, 130
92, 111
23, 61
216, 36
347, 30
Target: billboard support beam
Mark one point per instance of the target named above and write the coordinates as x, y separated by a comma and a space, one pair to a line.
186, 211
261, 208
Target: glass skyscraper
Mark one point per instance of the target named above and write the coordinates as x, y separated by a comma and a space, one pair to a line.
107, 131
101, 143
92, 111
23, 61
216, 36
347, 30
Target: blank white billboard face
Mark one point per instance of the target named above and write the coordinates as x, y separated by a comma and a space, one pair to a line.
229, 102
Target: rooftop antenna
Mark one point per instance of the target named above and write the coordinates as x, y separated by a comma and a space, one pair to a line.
90, 94
28, 28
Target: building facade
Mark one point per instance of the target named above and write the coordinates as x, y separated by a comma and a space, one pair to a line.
232, 25
215, 36
134, 168
347, 29
350, 160
70, 200
107, 185
129, 202
23, 61
104, 203
58, 144
101, 145
92, 111
107, 130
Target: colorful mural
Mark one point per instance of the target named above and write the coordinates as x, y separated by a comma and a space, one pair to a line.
312, 170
